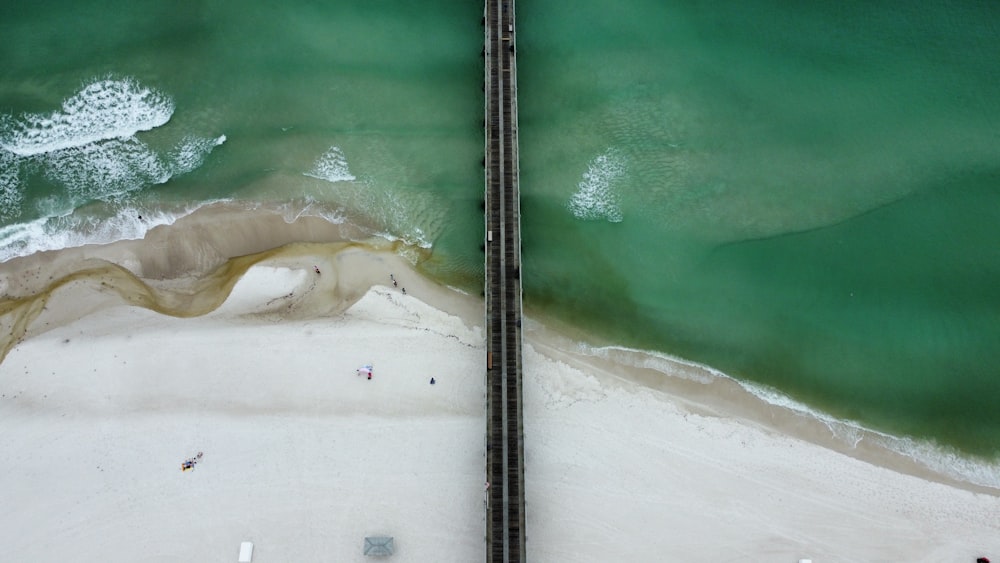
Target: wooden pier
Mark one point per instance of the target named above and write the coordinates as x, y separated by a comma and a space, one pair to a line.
505, 535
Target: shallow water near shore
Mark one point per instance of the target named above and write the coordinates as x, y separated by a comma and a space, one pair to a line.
801, 198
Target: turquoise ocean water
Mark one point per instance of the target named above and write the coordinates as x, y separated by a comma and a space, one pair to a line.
802, 196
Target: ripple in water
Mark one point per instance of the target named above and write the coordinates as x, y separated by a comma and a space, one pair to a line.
597, 196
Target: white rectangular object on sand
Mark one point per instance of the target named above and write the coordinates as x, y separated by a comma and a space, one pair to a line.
246, 552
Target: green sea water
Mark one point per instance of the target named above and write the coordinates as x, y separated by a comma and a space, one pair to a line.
371, 111
803, 196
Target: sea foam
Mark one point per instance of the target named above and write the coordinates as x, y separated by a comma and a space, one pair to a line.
90, 149
597, 194
111, 169
104, 109
70, 230
106, 169
332, 167
393, 217
10, 189
191, 153
293, 210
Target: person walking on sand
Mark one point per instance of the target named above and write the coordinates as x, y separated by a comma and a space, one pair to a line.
404, 291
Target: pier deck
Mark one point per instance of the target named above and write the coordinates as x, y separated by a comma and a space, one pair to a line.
505, 537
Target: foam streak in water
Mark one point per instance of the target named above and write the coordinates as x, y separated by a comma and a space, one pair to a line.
106, 169
10, 192
111, 169
332, 167
388, 214
105, 109
596, 196
74, 229
191, 153
89, 148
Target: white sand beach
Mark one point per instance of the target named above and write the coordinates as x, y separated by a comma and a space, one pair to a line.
102, 401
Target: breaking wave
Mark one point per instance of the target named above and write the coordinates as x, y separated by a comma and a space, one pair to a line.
332, 167
56, 232
113, 168
191, 153
105, 109
89, 152
10, 192
597, 196
89, 147
105, 169
388, 213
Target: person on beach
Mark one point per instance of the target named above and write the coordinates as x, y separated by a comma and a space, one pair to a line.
316, 268
404, 291
432, 381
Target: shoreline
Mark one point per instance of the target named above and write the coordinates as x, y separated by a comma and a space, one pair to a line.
576, 400
200, 247
710, 392
301, 455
